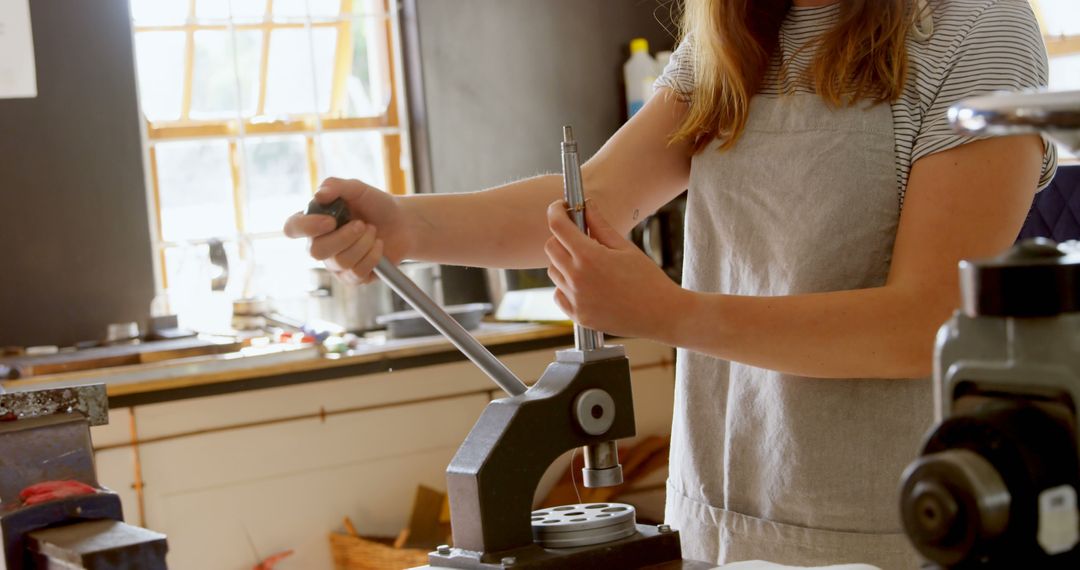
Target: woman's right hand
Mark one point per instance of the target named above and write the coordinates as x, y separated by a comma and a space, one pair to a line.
378, 228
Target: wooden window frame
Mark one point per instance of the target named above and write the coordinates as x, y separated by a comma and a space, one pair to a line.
1055, 45
387, 122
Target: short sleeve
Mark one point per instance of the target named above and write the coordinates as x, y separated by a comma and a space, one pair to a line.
1003, 50
678, 74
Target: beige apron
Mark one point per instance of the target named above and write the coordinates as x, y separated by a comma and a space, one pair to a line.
769, 466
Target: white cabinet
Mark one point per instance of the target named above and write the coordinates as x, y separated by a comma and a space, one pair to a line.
231, 479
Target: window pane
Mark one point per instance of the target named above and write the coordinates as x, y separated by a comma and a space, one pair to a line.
281, 267
320, 9
159, 12
189, 274
215, 79
354, 155
290, 85
283, 273
369, 7
196, 190
278, 182
241, 10
1061, 17
1065, 72
160, 61
367, 88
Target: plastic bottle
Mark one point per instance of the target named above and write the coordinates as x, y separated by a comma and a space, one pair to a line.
662, 59
639, 72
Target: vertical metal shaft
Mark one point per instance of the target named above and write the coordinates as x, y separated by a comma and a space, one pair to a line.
574, 194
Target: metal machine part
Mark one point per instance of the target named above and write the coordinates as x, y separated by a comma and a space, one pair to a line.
587, 524
90, 401
45, 436
1057, 114
97, 545
594, 411
996, 486
574, 194
997, 482
450, 328
603, 470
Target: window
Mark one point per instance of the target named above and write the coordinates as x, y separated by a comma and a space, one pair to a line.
1060, 22
248, 104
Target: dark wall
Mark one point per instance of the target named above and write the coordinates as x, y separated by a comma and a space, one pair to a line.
76, 244
501, 77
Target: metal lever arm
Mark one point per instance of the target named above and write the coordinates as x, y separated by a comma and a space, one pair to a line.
430, 310
450, 328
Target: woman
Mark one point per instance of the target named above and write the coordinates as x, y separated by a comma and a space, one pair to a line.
829, 204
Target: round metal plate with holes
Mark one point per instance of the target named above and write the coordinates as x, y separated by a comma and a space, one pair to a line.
585, 524
594, 410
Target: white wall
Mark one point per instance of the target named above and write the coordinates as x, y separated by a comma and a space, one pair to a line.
229, 497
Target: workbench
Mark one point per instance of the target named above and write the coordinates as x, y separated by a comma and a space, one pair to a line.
282, 365
237, 457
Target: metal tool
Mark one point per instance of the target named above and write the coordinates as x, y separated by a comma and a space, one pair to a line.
602, 468
583, 399
45, 436
997, 482
445, 324
574, 194
1054, 113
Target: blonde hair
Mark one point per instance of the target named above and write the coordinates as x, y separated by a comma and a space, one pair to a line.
861, 58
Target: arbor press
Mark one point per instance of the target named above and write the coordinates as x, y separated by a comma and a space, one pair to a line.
583, 399
45, 437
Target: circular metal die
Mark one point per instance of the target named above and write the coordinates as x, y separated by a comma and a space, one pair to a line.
953, 503
594, 410
585, 524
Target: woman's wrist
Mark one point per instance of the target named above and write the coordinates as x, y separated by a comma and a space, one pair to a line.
678, 314
412, 227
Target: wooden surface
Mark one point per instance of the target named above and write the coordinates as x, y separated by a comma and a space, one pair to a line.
188, 372
119, 355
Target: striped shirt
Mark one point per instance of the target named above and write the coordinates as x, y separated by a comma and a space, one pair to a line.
965, 48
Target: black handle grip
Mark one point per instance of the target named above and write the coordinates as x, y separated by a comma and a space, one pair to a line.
336, 209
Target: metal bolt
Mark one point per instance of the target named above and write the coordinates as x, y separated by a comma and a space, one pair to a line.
509, 561
663, 528
443, 549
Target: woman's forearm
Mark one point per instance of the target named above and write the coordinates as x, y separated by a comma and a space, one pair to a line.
885, 332
500, 227
634, 173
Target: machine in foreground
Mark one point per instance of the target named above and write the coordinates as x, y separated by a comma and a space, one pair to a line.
996, 486
53, 512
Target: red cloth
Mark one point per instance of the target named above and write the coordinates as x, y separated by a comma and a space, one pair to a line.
52, 490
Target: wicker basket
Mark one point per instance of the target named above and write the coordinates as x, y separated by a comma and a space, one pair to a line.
358, 553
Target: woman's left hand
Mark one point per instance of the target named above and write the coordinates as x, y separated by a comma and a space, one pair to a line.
605, 282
